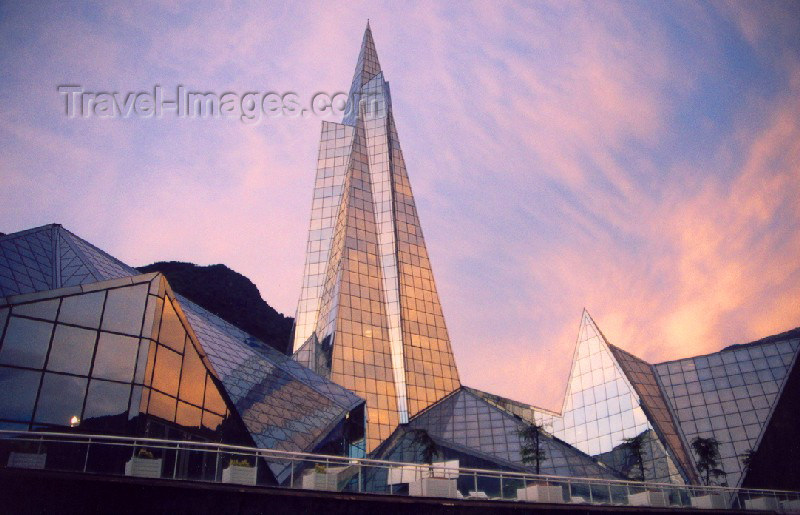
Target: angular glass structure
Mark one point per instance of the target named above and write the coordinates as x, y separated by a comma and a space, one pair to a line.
88, 343
369, 316
730, 395
614, 397
603, 410
466, 421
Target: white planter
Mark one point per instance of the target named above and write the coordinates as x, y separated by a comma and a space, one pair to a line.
239, 475
433, 487
790, 506
762, 503
26, 460
659, 499
709, 502
327, 481
143, 467
541, 493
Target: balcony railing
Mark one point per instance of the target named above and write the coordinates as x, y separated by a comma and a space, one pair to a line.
221, 463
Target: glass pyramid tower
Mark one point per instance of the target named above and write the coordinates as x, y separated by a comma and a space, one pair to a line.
369, 316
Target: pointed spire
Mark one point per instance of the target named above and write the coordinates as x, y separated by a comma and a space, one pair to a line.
367, 66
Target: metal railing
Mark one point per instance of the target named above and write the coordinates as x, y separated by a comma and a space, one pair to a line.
224, 463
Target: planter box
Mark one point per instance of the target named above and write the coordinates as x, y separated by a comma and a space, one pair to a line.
239, 475
327, 481
761, 503
659, 499
410, 473
143, 467
433, 487
541, 493
790, 506
26, 460
709, 502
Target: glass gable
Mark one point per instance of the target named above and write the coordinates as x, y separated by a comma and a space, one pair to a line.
50, 257
469, 422
729, 396
282, 404
94, 358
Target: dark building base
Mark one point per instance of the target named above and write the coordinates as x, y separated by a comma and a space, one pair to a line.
45, 492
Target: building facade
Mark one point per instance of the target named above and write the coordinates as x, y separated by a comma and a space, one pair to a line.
613, 397
369, 316
89, 344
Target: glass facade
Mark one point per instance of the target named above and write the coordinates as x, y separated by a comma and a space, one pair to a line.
602, 410
88, 344
729, 396
51, 257
283, 405
369, 315
613, 396
466, 421
103, 370
665, 434
130, 356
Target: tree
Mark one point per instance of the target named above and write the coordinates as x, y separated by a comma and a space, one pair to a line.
707, 452
635, 446
531, 447
747, 461
426, 445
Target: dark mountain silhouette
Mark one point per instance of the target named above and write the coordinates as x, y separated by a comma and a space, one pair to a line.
229, 295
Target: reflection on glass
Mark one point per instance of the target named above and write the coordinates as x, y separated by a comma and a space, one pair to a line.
211, 421
188, 416
145, 401
84, 310
151, 361
106, 399
149, 316
214, 401
161, 406
72, 350
158, 308
18, 395
141, 361
61, 398
172, 333
735, 405
136, 399
25, 343
167, 370
193, 376
3, 317
124, 309
46, 309
116, 357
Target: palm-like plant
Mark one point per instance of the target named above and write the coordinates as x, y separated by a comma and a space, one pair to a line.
635, 446
747, 461
531, 447
707, 452
426, 445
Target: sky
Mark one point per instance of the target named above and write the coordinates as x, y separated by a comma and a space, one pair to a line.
637, 159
